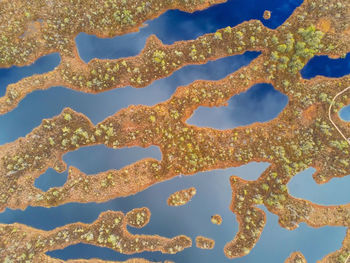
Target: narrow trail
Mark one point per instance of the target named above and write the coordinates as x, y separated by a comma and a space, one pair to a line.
330, 118
347, 259
346, 139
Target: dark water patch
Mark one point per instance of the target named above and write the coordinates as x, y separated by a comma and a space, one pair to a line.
40, 66
176, 25
328, 67
344, 113
260, 103
48, 103
335, 192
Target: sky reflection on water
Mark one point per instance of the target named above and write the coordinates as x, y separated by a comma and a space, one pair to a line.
46, 104
175, 25
213, 189
260, 103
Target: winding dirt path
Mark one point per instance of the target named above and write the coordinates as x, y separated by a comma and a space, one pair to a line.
330, 118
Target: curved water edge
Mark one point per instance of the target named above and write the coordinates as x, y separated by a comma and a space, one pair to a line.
95, 159
86, 251
175, 25
14, 74
213, 190
308, 240
154, 196
260, 103
325, 66
38, 105
344, 113
304, 186
314, 243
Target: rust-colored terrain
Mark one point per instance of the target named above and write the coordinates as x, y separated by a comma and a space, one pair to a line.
204, 242
296, 257
301, 136
216, 219
181, 197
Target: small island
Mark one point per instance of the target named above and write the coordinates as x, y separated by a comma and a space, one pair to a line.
181, 197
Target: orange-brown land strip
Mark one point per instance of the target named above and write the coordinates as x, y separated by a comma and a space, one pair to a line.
47, 259
158, 60
154, 62
296, 257
109, 230
204, 242
267, 15
60, 22
216, 219
181, 197
301, 136
95, 260
57, 23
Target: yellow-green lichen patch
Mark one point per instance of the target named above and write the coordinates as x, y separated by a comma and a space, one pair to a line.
216, 219
181, 197
204, 242
301, 136
109, 230
267, 14
138, 217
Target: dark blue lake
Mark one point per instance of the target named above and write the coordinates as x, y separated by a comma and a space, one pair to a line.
213, 187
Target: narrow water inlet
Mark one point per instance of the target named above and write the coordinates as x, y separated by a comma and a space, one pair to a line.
175, 25
302, 185
14, 74
96, 159
325, 66
260, 103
